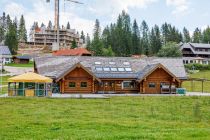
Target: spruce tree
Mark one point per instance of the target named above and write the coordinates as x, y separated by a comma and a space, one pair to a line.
206, 35
11, 39
145, 37
136, 39
68, 26
50, 26
82, 37
197, 36
186, 35
74, 44
22, 32
96, 44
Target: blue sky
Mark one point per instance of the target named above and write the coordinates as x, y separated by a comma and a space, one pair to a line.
188, 13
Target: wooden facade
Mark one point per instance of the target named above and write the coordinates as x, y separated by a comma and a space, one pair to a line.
80, 80
154, 81
77, 81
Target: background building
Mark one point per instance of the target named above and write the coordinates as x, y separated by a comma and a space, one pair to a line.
47, 36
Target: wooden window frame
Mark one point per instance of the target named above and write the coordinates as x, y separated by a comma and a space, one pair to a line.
72, 86
153, 85
85, 86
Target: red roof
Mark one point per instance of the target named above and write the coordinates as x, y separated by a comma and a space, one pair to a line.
72, 52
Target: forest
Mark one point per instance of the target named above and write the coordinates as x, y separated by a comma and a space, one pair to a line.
125, 37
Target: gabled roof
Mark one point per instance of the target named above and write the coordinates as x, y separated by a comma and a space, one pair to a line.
151, 68
23, 57
72, 52
4, 50
54, 66
192, 47
30, 77
78, 65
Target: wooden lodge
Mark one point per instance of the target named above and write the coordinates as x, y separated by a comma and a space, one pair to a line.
100, 75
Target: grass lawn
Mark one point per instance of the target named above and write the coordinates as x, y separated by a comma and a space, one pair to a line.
124, 118
4, 90
30, 64
197, 86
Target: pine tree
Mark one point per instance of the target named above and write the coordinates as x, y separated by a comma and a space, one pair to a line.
8, 22
42, 25
145, 37
136, 39
68, 26
74, 44
11, 39
50, 26
155, 40
1, 34
96, 44
22, 32
82, 37
197, 36
88, 43
186, 35
206, 35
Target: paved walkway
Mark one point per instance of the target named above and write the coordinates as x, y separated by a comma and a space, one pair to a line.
105, 96
17, 70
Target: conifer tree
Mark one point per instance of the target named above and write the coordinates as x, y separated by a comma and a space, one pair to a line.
186, 35
11, 39
22, 32
82, 37
68, 26
50, 26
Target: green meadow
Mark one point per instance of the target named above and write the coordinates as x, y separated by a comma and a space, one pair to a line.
123, 118
196, 86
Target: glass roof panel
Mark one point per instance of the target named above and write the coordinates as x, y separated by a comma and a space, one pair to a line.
99, 69
113, 69
121, 69
98, 63
106, 69
128, 69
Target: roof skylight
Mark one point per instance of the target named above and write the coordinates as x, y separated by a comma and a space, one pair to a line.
126, 63
99, 69
121, 69
98, 63
128, 69
113, 69
106, 69
112, 63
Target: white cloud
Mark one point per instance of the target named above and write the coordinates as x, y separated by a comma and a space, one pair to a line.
42, 12
181, 6
14, 9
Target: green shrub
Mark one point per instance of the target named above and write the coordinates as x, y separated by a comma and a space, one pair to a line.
197, 67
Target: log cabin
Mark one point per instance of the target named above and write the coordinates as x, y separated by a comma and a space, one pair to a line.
100, 75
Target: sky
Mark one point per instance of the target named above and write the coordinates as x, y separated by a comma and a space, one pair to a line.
181, 13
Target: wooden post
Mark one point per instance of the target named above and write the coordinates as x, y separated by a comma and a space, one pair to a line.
15, 89
93, 86
24, 88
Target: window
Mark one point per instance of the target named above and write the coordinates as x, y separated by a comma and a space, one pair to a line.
126, 63
113, 69
121, 69
106, 69
72, 84
83, 84
128, 69
99, 69
151, 85
129, 84
112, 63
98, 63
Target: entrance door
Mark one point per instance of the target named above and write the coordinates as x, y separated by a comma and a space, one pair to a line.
109, 86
